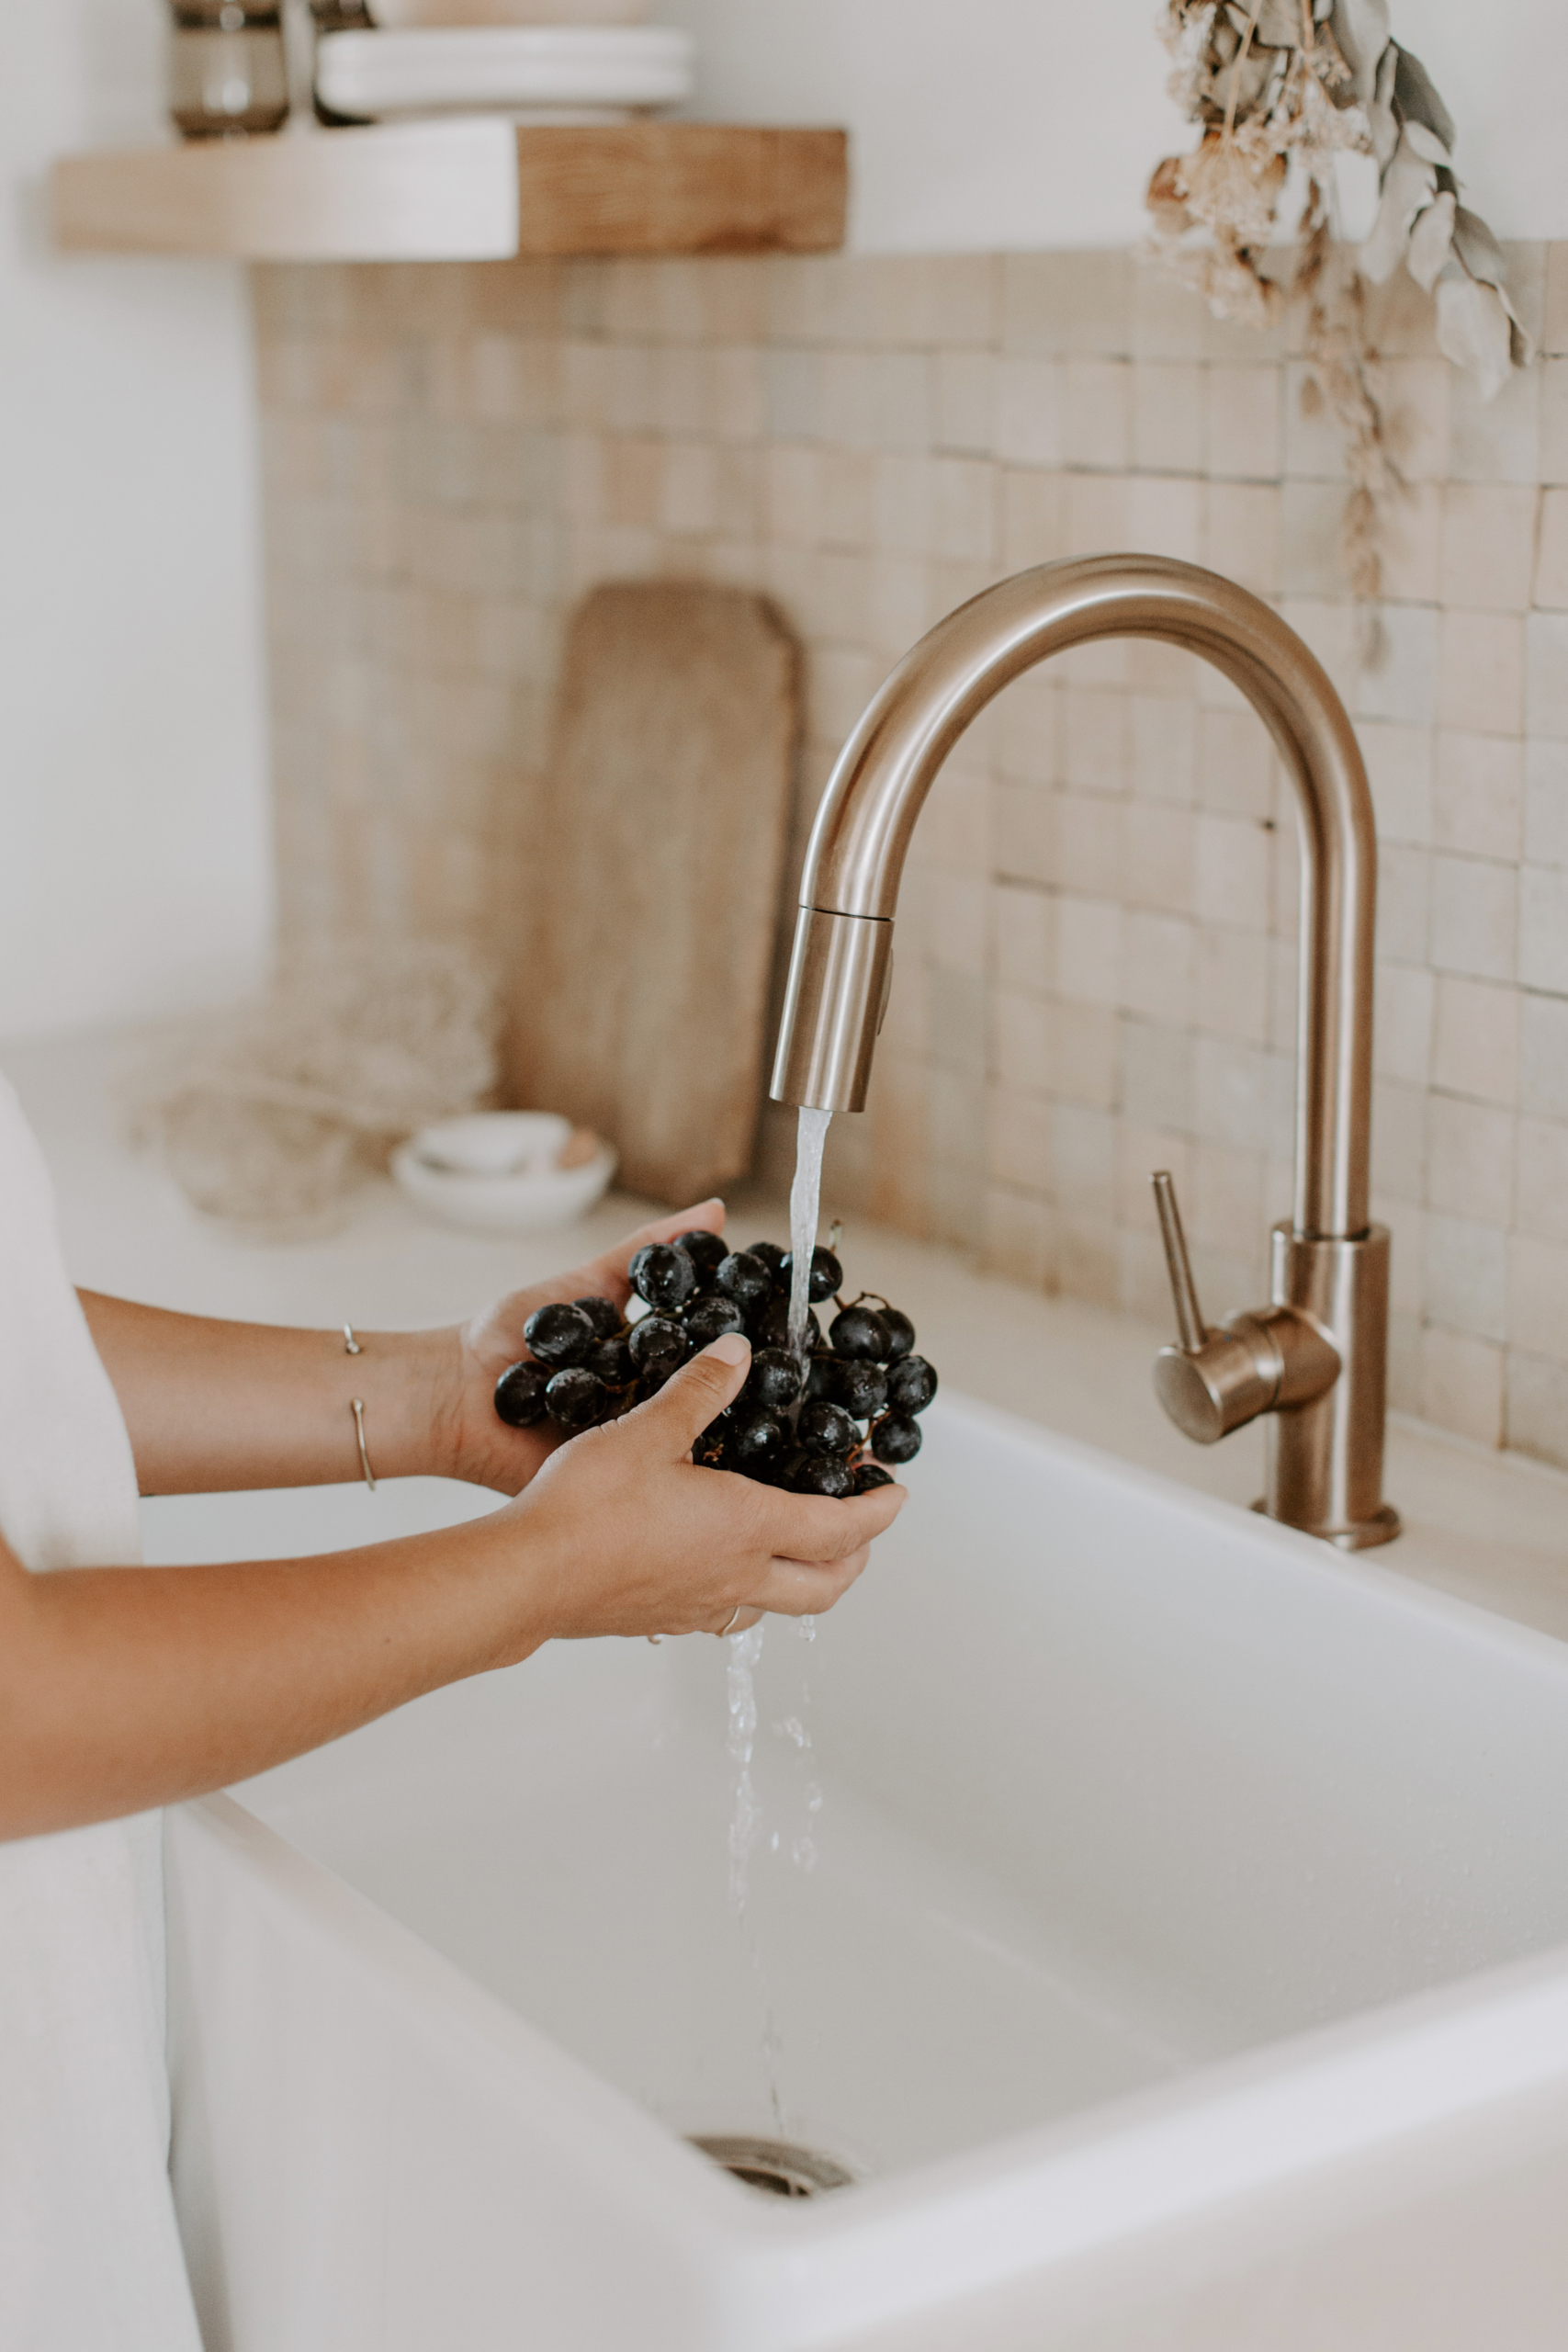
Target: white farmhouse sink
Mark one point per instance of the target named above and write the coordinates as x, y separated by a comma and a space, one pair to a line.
1162, 1855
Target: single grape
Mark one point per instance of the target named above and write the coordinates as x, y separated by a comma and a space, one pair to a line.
774, 1380
771, 1255
711, 1315
520, 1394
826, 1428
860, 1388
819, 1378
895, 1439
819, 1474
705, 1249
745, 1279
559, 1334
911, 1385
757, 1445
665, 1277
900, 1333
869, 1476
576, 1398
606, 1319
858, 1332
827, 1275
612, 1361
769, 1326
657, 1348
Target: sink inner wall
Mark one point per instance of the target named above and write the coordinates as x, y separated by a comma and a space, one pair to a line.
1115, 1783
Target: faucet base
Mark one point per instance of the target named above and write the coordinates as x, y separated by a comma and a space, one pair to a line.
1381, 1528
1323, 1458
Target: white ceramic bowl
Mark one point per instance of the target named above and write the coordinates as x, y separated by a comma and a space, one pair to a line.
456, 69
517, 1200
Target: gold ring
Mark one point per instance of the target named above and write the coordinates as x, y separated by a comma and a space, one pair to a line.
733, 1615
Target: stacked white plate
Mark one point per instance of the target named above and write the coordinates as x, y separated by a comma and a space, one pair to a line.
556, 72
395, 14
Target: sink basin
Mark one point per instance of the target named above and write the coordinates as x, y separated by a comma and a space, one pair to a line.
1117, 1856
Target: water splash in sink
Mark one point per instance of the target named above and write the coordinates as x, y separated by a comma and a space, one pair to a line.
740, 1691
745, 1824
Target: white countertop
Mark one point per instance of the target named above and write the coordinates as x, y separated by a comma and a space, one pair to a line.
1491, 1528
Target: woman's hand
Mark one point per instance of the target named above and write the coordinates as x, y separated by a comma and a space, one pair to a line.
623, 1533
470, 1441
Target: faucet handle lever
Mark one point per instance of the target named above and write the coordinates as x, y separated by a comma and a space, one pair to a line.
1190, 1328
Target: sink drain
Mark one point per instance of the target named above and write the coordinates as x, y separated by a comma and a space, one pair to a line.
775, 2166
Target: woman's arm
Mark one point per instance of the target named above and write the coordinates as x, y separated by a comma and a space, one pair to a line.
125, 1687
212, 1406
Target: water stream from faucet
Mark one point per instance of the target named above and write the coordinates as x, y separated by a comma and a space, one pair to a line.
744, 1650
804, 1195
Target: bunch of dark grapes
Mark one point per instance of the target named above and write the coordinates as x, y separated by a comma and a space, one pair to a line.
831, 1425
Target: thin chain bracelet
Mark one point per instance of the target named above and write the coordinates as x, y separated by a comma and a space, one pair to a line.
351, 1347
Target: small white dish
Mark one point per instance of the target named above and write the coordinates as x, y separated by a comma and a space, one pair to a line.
508, 1199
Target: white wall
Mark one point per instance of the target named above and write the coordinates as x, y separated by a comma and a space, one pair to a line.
135, 870
981, 124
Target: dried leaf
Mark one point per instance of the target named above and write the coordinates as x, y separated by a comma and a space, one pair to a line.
1430, 241
1362, 30
1416, 101
1279, 23
1427, 143
1477, 249
1475, 329
1382, 126
1409, 184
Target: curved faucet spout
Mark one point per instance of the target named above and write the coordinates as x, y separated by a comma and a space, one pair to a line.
1312, 1361
850, 885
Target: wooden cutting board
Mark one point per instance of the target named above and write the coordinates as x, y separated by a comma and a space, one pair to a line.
640, 1008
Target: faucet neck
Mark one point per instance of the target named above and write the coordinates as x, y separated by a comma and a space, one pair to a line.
855, 860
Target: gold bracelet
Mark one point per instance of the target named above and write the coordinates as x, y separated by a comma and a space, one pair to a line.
351, 1347
356, 1405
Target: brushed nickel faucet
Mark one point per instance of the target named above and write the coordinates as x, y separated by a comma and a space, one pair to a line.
1313, 1359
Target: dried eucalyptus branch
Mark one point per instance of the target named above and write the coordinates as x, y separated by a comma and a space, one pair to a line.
1281, 87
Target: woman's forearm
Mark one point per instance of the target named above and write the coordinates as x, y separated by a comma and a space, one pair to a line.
125, 1688
213, 1406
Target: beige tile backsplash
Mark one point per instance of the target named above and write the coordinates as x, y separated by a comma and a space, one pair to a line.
1096, 970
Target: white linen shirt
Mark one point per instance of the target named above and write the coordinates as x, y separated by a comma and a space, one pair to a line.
90, 2257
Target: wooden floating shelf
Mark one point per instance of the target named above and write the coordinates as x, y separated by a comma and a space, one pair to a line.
479, 190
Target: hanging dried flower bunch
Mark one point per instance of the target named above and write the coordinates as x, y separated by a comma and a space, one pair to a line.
1281, 87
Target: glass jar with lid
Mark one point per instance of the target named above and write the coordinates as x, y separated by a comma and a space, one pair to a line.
228, 74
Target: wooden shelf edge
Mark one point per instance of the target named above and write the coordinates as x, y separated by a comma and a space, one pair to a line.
476, 189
